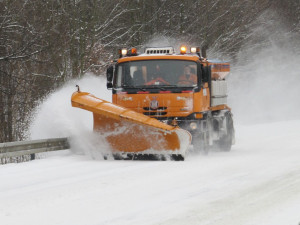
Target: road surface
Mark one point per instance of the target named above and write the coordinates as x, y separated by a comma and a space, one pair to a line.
258, 182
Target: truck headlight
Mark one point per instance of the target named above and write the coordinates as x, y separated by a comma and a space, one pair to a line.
193, 125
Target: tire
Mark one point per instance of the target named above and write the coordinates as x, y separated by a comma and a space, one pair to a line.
226, 140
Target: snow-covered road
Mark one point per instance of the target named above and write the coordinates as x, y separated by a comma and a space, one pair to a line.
258, 182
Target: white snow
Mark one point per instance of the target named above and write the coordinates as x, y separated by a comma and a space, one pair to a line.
258, 182
57, 118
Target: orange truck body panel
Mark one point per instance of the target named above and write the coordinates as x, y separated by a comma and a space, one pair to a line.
170, 104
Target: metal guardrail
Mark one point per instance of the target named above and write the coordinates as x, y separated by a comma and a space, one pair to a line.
23, 148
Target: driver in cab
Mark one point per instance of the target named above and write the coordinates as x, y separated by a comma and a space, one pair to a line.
188, 77
156, 77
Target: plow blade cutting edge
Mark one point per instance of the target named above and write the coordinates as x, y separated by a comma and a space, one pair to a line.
132, 135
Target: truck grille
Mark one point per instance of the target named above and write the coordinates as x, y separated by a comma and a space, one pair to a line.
160, 111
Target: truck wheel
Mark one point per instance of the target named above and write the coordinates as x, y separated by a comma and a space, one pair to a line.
226, 140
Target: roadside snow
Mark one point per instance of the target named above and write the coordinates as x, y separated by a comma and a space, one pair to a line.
258, 182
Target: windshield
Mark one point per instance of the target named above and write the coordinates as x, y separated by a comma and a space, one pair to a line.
157, 73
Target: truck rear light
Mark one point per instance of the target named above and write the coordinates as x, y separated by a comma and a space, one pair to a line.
143, 92
187, 91
122, 92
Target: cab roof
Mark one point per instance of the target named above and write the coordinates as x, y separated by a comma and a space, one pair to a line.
158, 57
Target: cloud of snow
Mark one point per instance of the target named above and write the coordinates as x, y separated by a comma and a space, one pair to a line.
264, 84
55, 117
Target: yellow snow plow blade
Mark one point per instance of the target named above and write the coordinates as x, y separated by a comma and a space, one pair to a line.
129, 132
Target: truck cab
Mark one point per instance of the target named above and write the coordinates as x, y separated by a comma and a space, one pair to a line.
183, 89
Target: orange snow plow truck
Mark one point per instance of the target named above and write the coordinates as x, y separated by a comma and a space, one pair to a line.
162, 103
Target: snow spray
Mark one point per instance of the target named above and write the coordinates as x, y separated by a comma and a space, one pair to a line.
55, 117
265, 80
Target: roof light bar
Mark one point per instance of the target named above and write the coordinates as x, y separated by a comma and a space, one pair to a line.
159, 50
183, 49
123, 51
133, 51
196, 50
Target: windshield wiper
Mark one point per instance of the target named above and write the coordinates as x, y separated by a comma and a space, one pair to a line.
160, 86
135, 87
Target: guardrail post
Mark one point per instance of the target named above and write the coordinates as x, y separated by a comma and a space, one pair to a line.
32, 156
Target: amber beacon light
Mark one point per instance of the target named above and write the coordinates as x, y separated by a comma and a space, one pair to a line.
183, 49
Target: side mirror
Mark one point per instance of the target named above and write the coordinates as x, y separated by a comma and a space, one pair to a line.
109, 76
206, 74
109, 85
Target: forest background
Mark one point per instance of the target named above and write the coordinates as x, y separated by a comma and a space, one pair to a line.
44, 44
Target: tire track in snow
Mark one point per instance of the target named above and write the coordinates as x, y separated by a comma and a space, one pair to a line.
256, 202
